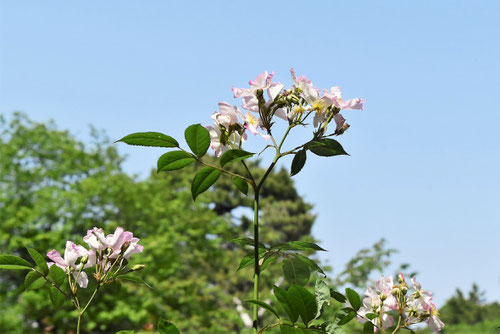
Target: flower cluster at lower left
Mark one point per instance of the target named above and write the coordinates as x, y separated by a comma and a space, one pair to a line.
109, 254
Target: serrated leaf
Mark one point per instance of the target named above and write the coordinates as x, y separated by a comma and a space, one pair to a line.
304, 302
264, 305
241, 184
322, 294
198, 139
313, 265
326, 148
12, 262
286, 303
203, 180
298, 162
337, 296
234, 155
346, 318
154, 139
166, 327
56, 297
353, 298
39, 260
296, 271
368, 328
133, 278
57, 275
174, 160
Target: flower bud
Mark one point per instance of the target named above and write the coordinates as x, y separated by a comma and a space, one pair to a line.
383, 296
404, 289
138, 267
396, 291
401, 278
125, 246
84, 259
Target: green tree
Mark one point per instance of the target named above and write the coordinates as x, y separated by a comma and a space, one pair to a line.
55, 187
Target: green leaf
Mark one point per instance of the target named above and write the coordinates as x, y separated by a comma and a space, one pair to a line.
337, 296
133, 278
249, 259
166, 327
155, 139
326, 148
298, 162
313, 265
353, 298
304, 302
204, 180
269, 258
56, 297
241, 184
174, 160
198, 139
12, 262
370, 316
264, 305
346, 318
30, 278
36, 284
322, 294
296, 271
57, 275
234, 155
39, 260
298, 245
125, 332
286, 303
290, 330
248, 242
368, 328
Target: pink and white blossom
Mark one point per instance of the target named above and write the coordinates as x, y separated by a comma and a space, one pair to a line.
317, 102
71, 254
335, 94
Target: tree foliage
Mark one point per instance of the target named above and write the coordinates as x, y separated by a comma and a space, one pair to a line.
54, 187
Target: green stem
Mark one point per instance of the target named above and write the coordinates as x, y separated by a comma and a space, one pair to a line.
257, 264
80, 313
397, 327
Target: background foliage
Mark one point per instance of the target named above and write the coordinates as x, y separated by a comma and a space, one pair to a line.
53, 188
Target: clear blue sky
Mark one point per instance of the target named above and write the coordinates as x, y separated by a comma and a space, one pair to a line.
424, 170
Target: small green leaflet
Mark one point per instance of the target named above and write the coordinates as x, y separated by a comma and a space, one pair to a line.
234, 155
326, 148
8, 261
166, 327
56, 297
203, 180
174, 160
298, 162
198, 139
154, 139
241, 184
296, 271
39, 260
353, 298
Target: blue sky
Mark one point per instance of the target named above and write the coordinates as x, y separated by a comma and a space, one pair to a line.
424, 165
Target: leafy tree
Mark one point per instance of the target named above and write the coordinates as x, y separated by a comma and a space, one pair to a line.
55, 187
